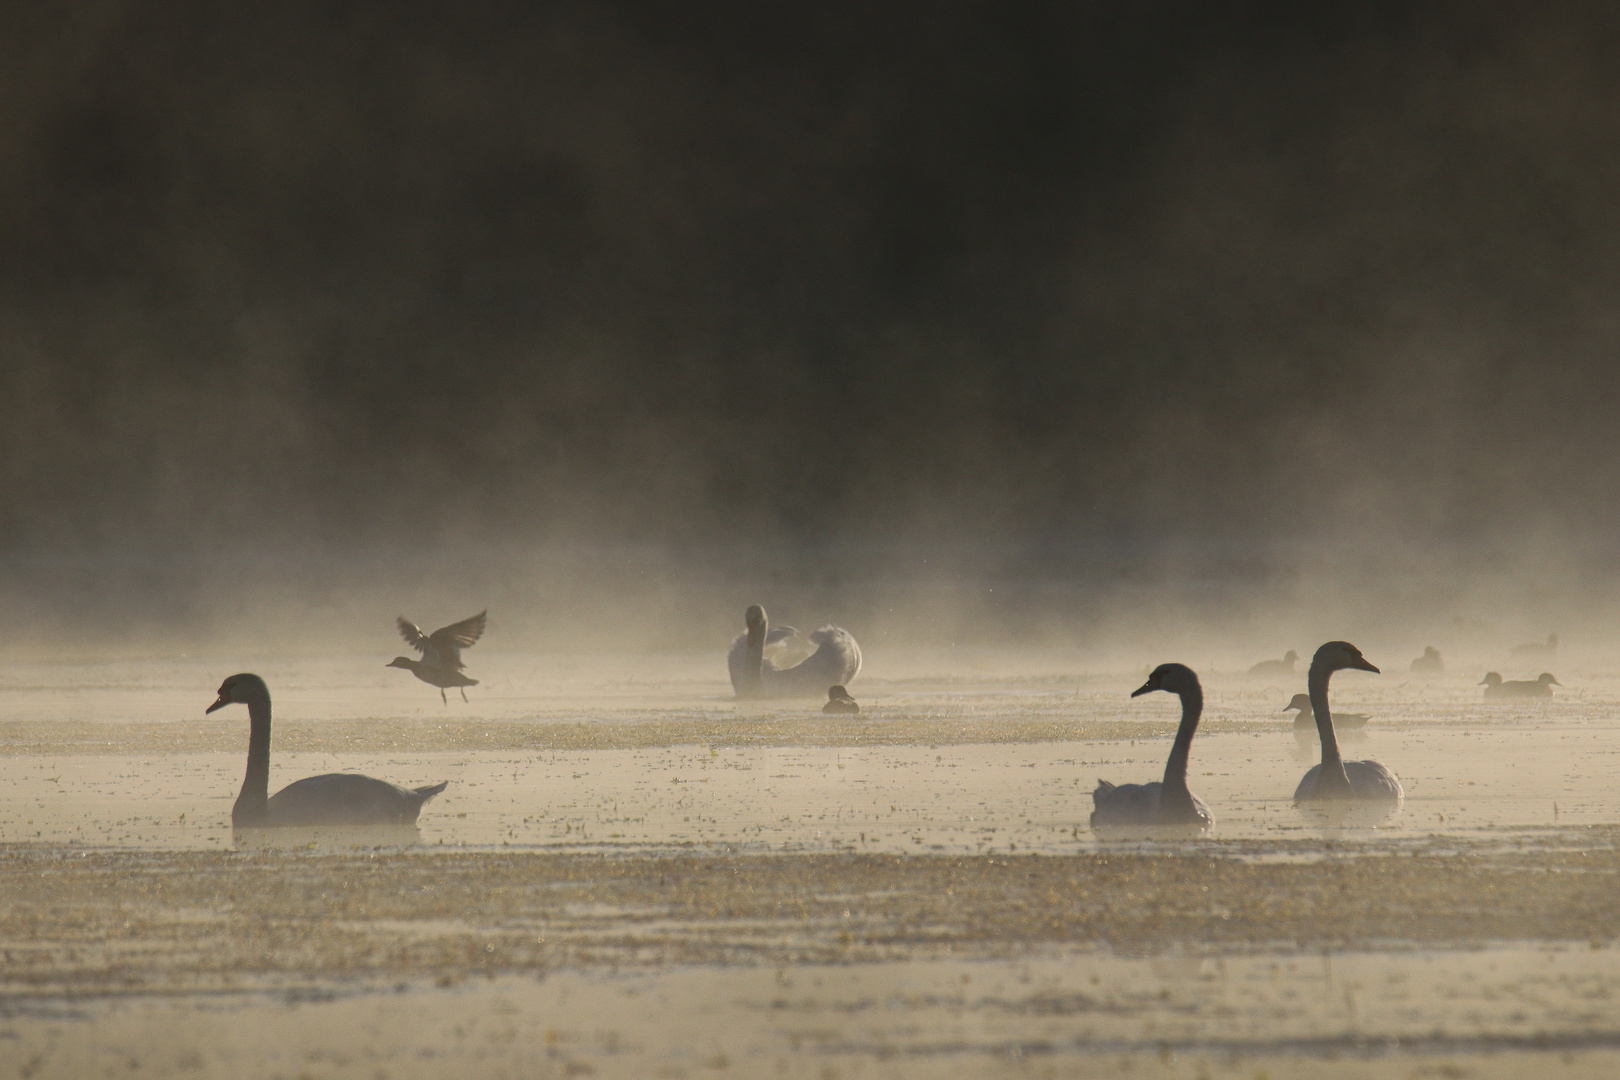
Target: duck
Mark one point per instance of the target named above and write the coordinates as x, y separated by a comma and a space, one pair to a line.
833, 659
441, 652
1305, 719
839, 701
1537, 650
1167, 801
1496, 688
329, 799
1334, 778
1429, 663
1267, 668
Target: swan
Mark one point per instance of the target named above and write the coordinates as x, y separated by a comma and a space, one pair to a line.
839, 701
1336, 778
331, 799
1536, 650
1305, 719
835, 661
1429, 663
1166, 802
441, 652
1285, 666
1496, 688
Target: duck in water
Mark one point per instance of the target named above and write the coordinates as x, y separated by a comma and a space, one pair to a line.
1514, 688
839, 701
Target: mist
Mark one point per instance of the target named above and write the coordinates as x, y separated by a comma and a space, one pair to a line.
1095, 325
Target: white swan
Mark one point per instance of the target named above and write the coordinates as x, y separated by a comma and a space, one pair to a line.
330, 799
834, 659
1305, 719
1496, 688
1536, 650
441, 652
1429, 663
1271, 668
1166, 802
1335, 778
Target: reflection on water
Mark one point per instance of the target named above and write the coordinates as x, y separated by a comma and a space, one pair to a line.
327, 837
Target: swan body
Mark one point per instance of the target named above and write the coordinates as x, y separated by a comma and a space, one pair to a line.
1517, 688
1266, 668
834, 659
441, 652
329, 799
1335, 778
1167, 801
839, 701
1537, 650
1429, 663
1305, 719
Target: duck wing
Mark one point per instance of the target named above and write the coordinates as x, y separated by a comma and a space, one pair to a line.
444, 645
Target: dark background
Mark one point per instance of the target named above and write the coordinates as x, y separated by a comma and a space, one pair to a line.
795, 295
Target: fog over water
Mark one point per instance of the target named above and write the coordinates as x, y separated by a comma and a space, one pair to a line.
970, 321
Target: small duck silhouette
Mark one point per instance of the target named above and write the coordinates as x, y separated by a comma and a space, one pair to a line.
441, 652
839, 701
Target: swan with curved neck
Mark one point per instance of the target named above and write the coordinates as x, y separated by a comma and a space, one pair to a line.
330, 799
1166, 802
1336, 778
835, 661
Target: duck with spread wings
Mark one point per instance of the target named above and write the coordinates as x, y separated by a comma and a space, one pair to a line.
441, 664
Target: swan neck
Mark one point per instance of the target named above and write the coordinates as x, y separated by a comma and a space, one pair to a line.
250, 808
1174, 798
1333, 775
752, 677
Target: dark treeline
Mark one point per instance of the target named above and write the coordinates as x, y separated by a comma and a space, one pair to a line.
338, 273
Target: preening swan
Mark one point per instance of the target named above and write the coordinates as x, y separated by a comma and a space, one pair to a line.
1429, 663
753, 660
331, 799
441, 652
1268, 668
1335, 778
1305, 719
1496, 688
1166, 802
839, 701
1536, 650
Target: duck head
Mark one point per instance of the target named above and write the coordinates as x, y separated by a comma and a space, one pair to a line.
1491, 679
401, 661
1548, 680
838, 693
1298, 701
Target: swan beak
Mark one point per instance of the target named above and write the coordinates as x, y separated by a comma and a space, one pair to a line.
220, 704
1145, 688
1363, 664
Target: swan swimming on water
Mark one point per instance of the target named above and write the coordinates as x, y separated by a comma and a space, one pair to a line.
1537, 650
330, 799
1496, 688
839, 701
441, 652
1266, 668
1335, 778
835, 661
1166, 802
1429, 663
1305, 719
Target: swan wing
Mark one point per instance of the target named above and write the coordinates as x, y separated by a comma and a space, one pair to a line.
346, 799
1125, 804
835, 662
1371, 781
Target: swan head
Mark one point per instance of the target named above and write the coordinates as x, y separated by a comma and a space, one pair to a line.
1340, 656
240, 690
754, 618
1298, 701
1176, 678
401, 661
838, 693
1491, 679
1548, 680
